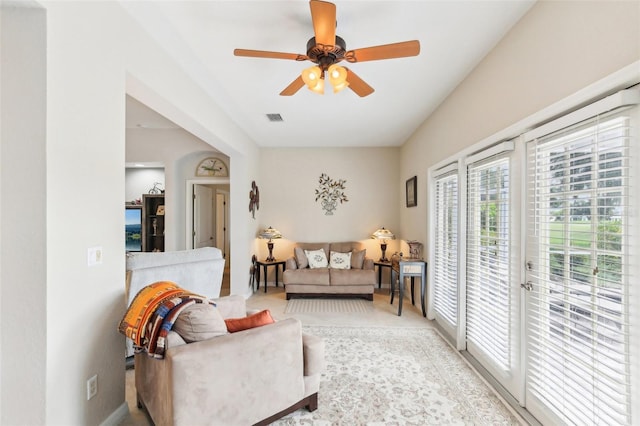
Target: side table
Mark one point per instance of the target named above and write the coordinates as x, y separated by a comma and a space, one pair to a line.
409, 268
265, 265
380, 264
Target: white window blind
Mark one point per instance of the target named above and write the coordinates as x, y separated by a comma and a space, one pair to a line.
578, 330
445, 258
488, 283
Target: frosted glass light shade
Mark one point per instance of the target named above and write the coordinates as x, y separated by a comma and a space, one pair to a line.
338, 78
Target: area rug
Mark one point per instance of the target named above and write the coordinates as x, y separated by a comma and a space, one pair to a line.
398, 376
319, 306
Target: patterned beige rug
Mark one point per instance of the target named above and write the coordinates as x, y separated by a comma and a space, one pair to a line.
319, 306
398, 376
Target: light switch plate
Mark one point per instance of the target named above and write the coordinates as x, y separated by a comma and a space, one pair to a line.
94, 256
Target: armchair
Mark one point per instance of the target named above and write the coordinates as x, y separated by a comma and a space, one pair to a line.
249, 377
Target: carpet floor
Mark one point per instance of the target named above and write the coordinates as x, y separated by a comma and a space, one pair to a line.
398, 376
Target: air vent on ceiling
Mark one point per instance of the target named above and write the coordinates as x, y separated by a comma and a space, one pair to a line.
274, 117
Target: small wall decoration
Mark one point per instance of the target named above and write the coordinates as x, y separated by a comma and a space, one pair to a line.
330, 192
212, 166
412, 192
254, 199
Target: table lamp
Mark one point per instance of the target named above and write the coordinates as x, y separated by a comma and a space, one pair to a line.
270, 234
383, 235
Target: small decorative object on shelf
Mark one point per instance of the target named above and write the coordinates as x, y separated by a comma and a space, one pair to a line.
270, 234
415, 249
254, 199
383, 235
153, 221
157, 188
330, 192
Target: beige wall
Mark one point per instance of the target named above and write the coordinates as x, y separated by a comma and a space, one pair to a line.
82, 59
289, 178
23, 221
558, 48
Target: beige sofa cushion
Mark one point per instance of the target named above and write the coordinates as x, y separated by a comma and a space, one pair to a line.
198, 322
315, 246
301, 258
319, 276
340, 277
346, 246
357, 258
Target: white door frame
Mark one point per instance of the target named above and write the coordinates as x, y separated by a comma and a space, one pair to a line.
189, 204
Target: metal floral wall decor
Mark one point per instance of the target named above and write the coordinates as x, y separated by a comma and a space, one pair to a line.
330, 192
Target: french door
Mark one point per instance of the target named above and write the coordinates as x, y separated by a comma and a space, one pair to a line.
578, 272
492, 291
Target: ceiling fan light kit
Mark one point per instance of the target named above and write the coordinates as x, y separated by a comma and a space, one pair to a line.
326, 50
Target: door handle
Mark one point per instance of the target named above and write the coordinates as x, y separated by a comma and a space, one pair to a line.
527, 286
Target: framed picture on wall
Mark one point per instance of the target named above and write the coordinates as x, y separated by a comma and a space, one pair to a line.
412, 192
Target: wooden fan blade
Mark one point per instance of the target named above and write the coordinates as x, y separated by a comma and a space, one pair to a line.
357, 84
268, 54
386, 51
323, 15
291, 89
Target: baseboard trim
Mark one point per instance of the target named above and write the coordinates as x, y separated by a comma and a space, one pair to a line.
117, 416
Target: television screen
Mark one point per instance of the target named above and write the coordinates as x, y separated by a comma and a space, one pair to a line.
133, 228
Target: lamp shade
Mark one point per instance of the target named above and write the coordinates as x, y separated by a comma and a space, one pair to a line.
338, 78
311, 76
383, 234
270, 234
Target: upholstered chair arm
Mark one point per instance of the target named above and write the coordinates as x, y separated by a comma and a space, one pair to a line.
246, 365
291, 263
234, 306
368, 263
313, 351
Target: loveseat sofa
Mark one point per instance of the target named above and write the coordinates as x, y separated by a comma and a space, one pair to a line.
238, 378
345, 271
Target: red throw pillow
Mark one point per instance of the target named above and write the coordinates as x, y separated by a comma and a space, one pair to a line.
251, 321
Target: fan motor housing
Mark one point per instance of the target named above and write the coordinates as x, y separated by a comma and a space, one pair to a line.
326, 55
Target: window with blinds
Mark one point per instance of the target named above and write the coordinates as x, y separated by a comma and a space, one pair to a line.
445, 258
488, 284
578, 330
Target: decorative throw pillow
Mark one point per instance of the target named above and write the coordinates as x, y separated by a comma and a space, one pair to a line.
251, 321
200, 321
357, 258
301, 258
317, 258
339, 260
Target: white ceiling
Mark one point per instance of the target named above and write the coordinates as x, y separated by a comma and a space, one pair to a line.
201, 35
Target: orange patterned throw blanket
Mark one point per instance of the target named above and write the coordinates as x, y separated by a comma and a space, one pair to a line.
152, 313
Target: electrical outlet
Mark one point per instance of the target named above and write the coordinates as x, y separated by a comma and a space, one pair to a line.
92, 386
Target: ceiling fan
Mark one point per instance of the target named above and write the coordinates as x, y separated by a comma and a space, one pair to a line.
327, 49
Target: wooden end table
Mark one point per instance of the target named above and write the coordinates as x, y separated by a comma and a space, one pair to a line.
264, 264
409, 268
380, 264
